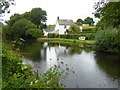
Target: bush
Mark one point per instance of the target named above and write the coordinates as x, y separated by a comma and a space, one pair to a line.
35, 33
89, 36
53, 35
74, 28
108, 40
17, 75
20, 27
70, 36
88, 29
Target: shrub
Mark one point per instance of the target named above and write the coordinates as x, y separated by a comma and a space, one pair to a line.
108, 40
20, 27
53, 35
70, 36
74, 28
17, 75
89, 36
88, 28
35, 33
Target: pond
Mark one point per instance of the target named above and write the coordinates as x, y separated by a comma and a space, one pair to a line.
84, 67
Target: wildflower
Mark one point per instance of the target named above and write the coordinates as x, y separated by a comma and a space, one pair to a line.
31, 83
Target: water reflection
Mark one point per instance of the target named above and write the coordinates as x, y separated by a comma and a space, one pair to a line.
110, 63
89, 69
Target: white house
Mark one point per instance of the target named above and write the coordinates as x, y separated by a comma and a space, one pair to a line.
62, 25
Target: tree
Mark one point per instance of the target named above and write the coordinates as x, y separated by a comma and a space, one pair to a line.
74, 28
80, 21
38, 17
89, 21
34, 33
19, 28
108, 13
4, 6
13, 19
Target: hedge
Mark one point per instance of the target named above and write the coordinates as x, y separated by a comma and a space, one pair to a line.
89, 36
53, 35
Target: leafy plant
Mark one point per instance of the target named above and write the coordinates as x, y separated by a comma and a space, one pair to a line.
35, 33
74, 28
17, 75
108, 40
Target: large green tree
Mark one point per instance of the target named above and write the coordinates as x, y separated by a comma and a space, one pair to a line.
89, 21
19, 28
38, 17
13, 19
108, 13
79, 21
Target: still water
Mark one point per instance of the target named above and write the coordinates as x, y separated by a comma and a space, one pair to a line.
85, 68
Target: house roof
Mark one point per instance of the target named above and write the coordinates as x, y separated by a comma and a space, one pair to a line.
48, 30
65, 22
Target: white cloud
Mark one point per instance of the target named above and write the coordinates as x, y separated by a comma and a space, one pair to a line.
67, 9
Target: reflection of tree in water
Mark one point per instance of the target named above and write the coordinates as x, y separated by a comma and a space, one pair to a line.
32, 50
53, 44
77, 49
109, 63
74, 50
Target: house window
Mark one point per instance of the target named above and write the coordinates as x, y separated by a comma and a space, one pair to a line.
65, 26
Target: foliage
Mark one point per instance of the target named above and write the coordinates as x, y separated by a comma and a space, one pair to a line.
89, 36
13, 19
108, 40
14, 74
74, 28
67, 41
89, 21
19, 28
17, 75
51, 26
4, 6
108, 13
70, 36
19, 23
80, 20
7, 32
88, 28
38, 16
53, 35
35, 33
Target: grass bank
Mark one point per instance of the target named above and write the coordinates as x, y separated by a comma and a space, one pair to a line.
69, 41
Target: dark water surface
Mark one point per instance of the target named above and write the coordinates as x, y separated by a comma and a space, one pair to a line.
85, 68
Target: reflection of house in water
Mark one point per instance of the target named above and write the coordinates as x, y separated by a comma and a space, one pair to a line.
52, 54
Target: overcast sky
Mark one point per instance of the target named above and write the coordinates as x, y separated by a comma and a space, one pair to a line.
65, 9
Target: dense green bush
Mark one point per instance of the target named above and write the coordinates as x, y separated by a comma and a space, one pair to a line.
108, 40
88, 29
74, 28
17, 75
20, 27
53, 35
89, 36
35, 33
70, 36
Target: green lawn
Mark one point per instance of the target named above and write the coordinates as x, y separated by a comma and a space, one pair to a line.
60, 40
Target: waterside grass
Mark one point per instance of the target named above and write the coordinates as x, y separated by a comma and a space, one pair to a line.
67, 41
